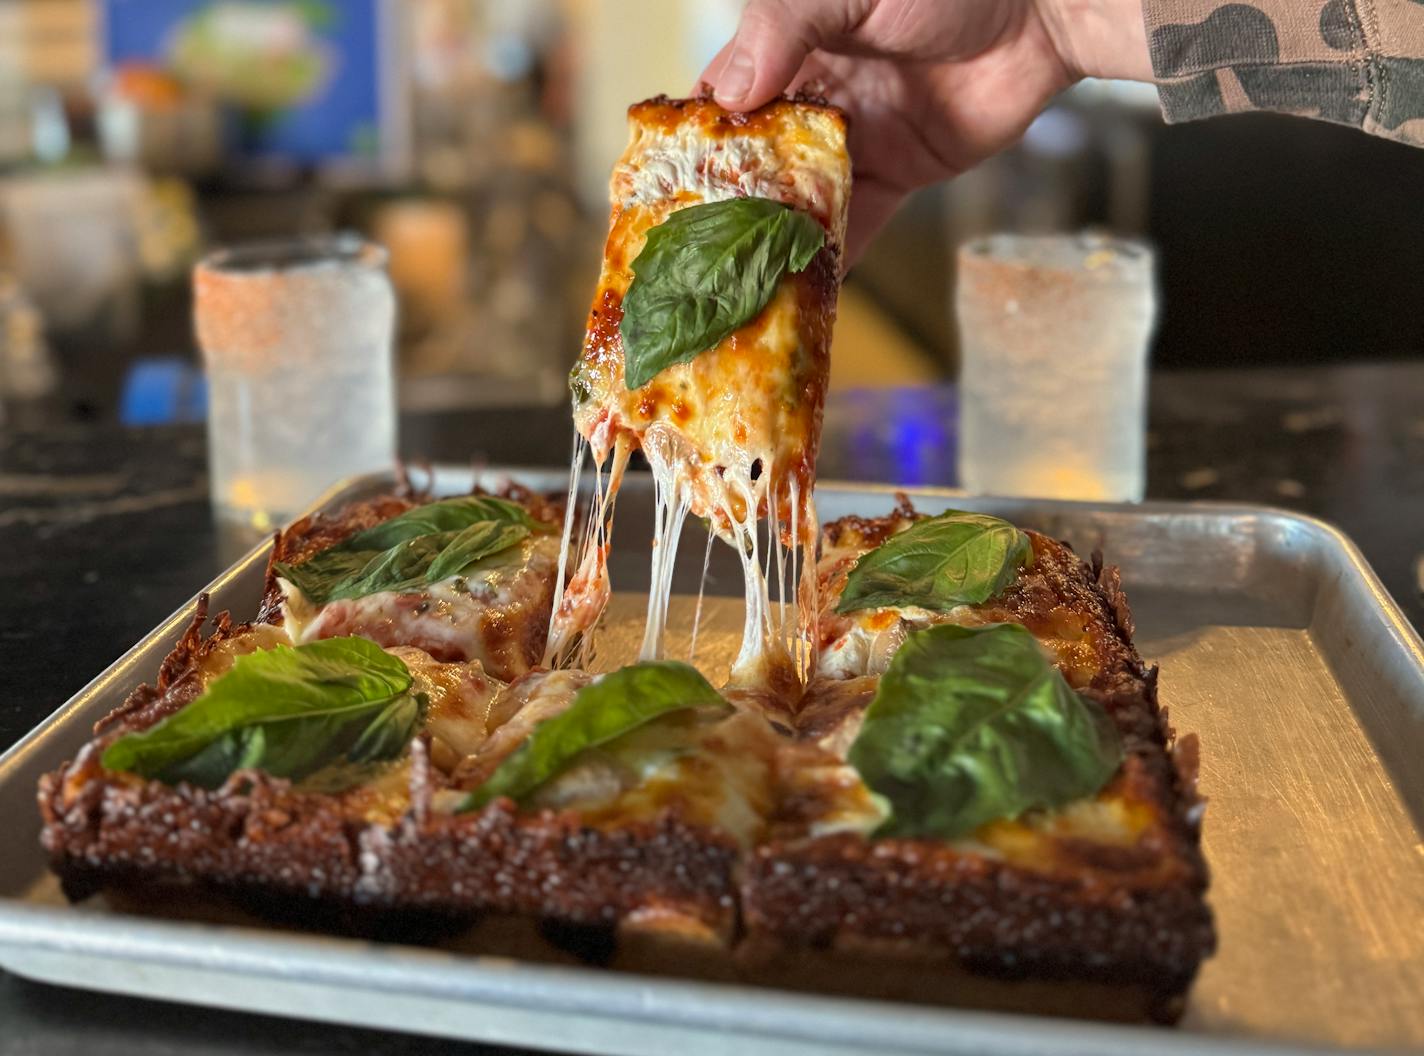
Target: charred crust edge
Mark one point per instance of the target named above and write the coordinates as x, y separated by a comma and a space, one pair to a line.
803, 98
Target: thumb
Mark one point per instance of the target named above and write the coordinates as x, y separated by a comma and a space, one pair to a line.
773, 39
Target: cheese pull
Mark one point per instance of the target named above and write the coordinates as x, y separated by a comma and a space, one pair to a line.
725, 232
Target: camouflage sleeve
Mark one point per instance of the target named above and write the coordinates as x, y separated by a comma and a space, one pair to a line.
1358, 62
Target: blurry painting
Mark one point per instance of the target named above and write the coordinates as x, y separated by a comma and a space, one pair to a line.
307, 81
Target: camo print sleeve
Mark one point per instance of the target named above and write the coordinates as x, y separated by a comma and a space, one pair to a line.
1357, 62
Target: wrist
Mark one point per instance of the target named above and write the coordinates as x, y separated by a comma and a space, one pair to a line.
1098, 38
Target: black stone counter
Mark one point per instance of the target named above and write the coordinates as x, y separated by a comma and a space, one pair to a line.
104, 531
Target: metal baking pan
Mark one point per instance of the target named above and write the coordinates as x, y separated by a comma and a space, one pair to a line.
1277, 644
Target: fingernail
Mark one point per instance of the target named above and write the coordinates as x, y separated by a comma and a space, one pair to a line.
736, 78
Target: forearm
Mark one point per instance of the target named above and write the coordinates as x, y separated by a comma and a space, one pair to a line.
1099, 38
1356, 62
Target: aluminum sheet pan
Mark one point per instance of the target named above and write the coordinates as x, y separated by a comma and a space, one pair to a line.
1277, 644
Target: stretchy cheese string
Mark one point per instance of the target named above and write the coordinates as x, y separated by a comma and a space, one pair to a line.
776, 644
672, 498
579, 604
554, 642
701, 592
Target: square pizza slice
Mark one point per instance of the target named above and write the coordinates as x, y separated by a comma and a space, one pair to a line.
708, 347
464, 578
985, 804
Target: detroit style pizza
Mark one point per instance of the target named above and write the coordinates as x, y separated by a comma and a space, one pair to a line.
944, 776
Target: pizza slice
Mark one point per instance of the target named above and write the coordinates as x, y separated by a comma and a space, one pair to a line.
881, 578
984, 804
708, 347
463, 578
660, 785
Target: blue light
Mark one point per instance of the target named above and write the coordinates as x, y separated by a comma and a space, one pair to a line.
895, 436
163, 392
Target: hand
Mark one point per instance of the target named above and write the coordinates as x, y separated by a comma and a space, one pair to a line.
932, 87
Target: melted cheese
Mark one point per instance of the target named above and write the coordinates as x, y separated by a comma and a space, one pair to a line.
579, 602
845, 803
460, 699
384, 798
869, 642
864, 642
513, 715
695, 151
713, 773
770, 642
717, 775
219, 658
687, 162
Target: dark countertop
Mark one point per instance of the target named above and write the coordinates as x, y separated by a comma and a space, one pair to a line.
106, 530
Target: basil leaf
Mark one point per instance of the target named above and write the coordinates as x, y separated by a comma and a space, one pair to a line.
320, 575
402, 567
475, 543
288, 711
391, 731
447, 515
704, 272
971, 724
954, 559
601, 712
421, 546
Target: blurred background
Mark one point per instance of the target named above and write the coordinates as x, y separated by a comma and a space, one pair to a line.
474, 138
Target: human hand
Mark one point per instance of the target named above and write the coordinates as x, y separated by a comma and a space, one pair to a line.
933, 87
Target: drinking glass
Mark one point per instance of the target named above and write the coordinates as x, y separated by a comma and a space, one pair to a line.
1054, 331
296, 338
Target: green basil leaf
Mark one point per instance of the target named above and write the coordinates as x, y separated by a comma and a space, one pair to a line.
602, 711
288, 711
972, 724
391, 731
320, 575
447, 515
475, 543
957, 558
402, 567
704, 272
233, 751
292, 748
421, 546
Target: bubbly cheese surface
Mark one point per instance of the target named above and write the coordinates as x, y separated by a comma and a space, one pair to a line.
715, 774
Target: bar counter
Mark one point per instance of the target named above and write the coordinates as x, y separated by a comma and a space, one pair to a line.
106, 530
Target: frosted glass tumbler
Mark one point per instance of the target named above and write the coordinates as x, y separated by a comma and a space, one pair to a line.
1054, 333
297, 344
